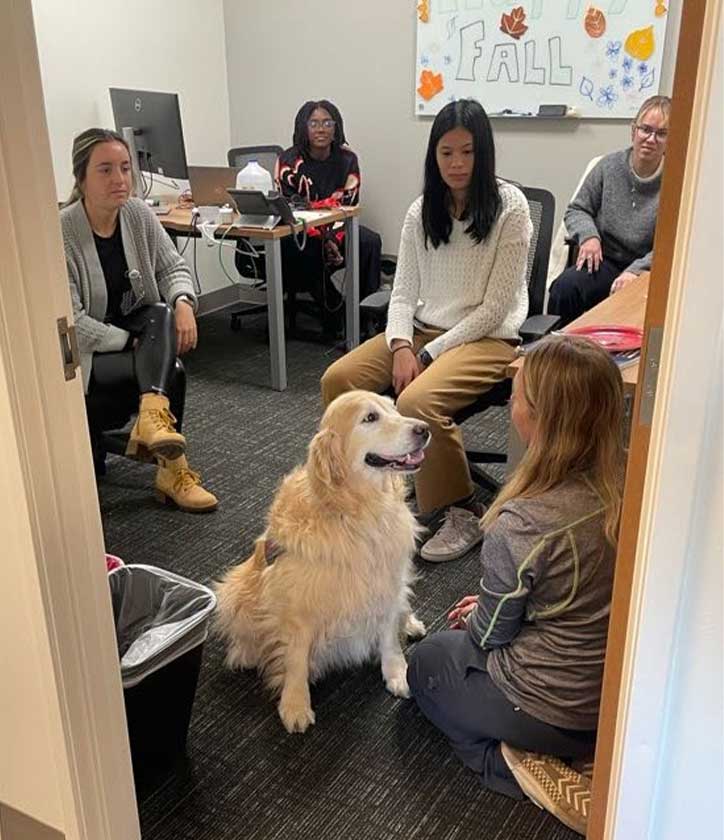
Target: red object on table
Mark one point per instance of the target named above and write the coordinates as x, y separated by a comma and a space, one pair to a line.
611, 337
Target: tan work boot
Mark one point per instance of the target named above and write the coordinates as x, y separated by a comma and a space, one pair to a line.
176, 482
153, 432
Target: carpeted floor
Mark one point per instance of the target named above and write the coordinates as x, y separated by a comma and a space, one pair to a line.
371, 768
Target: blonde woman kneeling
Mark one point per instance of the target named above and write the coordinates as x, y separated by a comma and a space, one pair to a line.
516, 683
133, 303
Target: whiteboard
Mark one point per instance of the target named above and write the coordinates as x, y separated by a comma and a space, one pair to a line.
603, 59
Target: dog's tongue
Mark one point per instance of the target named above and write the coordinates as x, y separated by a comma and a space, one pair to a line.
414, 457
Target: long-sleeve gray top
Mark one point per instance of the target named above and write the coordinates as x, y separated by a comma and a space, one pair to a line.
156, 272
544, 603
619, 208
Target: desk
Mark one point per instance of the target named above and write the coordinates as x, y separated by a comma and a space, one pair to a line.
626, 308
178, 222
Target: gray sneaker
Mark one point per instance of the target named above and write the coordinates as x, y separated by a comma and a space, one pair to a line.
456, 536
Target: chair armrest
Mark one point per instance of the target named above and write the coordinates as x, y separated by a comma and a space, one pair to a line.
377, 303
537, 326
572, 251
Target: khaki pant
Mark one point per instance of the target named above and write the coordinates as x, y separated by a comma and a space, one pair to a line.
454, 380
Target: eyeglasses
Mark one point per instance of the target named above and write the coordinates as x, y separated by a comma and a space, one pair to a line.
320, 123
659, 134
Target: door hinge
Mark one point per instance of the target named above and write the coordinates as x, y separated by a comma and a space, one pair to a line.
652, 361
68, 348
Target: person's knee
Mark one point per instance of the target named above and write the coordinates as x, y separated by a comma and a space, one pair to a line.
334, 382
564, 290
414, 403
424, 665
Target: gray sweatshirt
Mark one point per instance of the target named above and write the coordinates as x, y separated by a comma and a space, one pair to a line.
619, 208
544, 604
156, 270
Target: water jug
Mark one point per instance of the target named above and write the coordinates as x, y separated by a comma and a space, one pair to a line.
254, 177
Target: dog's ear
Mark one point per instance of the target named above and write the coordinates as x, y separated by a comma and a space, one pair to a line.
327, 463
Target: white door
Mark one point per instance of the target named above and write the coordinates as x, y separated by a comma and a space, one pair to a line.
64, 760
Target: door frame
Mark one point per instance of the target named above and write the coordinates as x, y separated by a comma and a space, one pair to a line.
700, 29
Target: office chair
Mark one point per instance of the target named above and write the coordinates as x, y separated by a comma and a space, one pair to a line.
542, 210
109, 411
239, 156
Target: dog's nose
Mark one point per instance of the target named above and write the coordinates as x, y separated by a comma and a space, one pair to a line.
420, 429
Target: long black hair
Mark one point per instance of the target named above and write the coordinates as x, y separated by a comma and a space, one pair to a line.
300, 138
483, 201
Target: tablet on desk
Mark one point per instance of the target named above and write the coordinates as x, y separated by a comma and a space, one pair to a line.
263, 210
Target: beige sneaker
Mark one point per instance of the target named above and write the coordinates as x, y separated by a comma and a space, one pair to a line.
154, 432
176, 482
552, 785
456, 536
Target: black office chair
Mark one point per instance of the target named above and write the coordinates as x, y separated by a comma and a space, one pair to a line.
373, 309
246, 264
109, 412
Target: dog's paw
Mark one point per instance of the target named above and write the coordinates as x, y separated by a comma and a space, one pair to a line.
397, 684
296, 717
414, 628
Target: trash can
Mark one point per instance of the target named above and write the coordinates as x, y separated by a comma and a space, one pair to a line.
162, 621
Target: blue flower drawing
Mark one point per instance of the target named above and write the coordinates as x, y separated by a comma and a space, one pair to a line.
606, 97
643, 68
627, 82
613, 48
627, 63
586, 88
648, 80
613, 73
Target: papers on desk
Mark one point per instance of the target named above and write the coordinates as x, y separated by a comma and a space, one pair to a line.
310, 216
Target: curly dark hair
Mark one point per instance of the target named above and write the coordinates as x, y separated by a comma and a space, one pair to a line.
300, 138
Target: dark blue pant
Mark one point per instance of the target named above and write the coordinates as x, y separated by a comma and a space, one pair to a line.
574, 292
448, 678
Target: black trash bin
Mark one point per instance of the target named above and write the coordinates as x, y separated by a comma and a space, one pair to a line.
162, 621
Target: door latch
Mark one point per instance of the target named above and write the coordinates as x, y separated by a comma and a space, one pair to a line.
68, 348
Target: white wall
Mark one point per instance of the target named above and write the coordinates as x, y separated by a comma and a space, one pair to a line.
87, 46
361, 57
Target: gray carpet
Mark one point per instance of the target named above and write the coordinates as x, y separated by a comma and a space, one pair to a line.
372, 768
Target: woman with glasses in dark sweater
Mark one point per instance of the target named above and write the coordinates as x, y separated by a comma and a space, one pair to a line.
613, 217
320, 170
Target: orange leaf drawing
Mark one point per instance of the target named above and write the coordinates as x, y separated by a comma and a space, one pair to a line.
660, 9
595, 22
430, 84
423, 11
514, 23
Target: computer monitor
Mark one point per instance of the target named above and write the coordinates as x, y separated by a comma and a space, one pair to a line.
155, 120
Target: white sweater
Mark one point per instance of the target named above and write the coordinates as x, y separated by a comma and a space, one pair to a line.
471, 291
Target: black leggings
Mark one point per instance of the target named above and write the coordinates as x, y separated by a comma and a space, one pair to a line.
117, 379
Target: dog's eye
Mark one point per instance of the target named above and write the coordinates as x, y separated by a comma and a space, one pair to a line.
371, 417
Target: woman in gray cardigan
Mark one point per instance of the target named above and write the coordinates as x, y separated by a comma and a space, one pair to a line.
613, 217
133, 303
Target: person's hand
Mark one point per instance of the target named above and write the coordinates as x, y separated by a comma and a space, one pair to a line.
332, 256
623, 279
186, 332
590, 255
457, 617
405, 367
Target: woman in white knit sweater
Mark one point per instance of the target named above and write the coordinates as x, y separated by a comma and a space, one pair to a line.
458, 301
133, 305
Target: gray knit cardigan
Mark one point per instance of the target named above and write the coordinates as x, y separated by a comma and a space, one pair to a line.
156, 269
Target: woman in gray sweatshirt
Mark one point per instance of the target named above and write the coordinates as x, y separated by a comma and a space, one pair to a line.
523, 661
133, 305
613, 216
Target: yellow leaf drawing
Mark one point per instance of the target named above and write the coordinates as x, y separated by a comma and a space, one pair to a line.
640, 43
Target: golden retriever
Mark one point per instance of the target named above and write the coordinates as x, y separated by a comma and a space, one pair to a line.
337, 592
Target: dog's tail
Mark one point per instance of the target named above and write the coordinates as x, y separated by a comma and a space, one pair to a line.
237, 595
